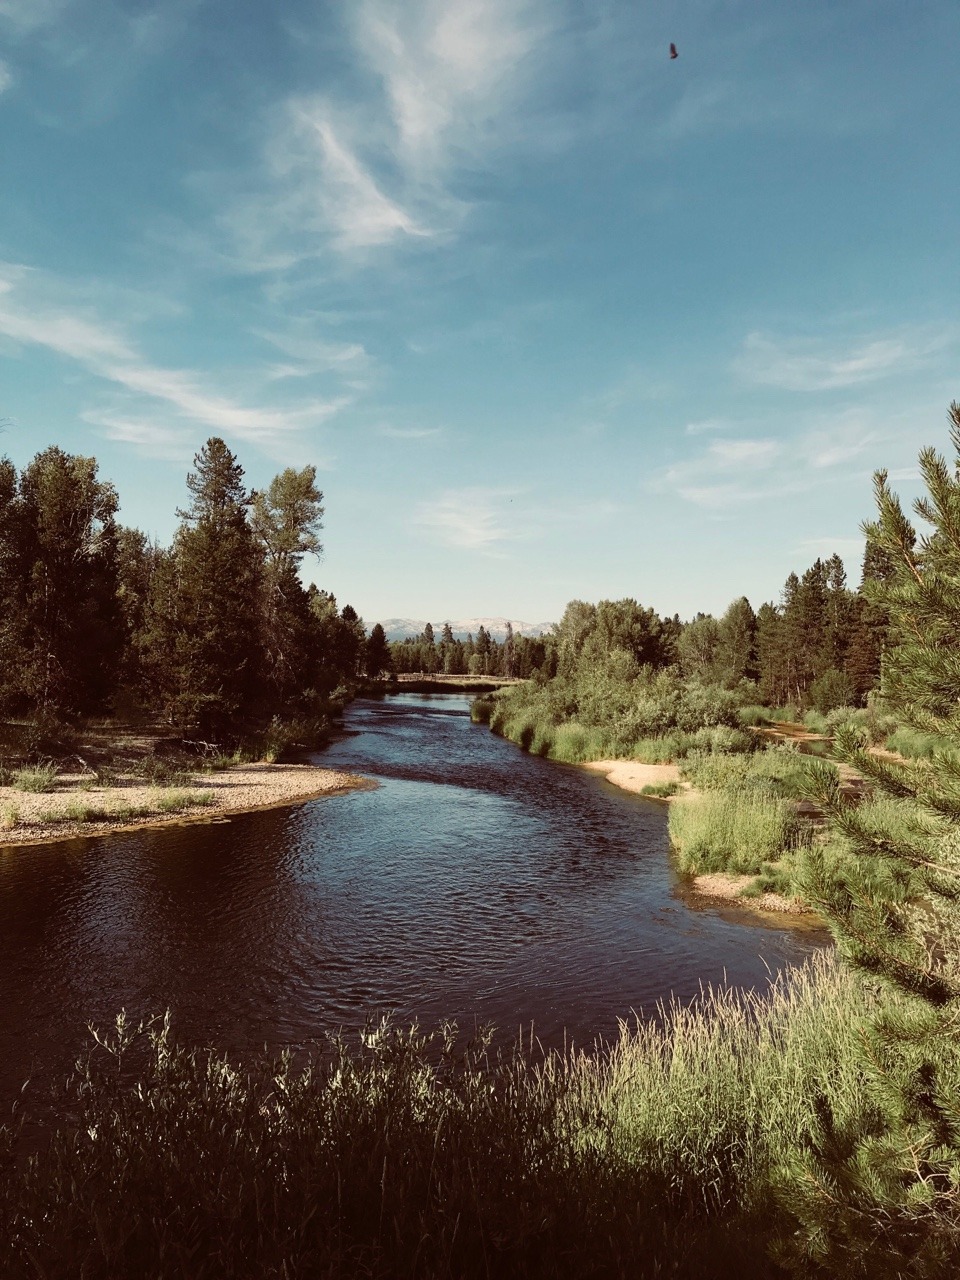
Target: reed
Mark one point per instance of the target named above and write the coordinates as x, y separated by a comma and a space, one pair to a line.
734, 830
413, 1155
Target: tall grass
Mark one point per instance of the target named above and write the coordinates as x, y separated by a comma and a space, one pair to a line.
40, 777
408, 1155
778, 771
735, 831
916, 745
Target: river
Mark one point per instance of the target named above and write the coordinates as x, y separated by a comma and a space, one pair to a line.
475, 883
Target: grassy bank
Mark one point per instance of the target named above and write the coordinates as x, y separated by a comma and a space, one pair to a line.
741, 816
406, 1155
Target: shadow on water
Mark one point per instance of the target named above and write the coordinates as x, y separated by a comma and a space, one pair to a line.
474, 883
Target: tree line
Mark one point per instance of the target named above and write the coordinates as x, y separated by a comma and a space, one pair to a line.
217, 632
214, 633
819, 646
518, 655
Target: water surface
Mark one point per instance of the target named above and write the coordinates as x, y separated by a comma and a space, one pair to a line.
475, 883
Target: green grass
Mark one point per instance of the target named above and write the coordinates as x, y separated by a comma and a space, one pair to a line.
177, 801
916, 745
37, 777
405, 1155
778, 772
9, 817
755, 714
733, 831
660, 790
164, 802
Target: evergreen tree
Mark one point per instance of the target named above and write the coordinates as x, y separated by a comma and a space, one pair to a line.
509, 651
69, 634
879, 1197
286, 522
377, 657
137, 562
12, 586
774, 670
698, 647
204, 631
738, 642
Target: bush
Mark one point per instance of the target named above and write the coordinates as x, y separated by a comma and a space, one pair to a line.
833, 689
481, 709
778, 772
916, 745
754, 715
660, 790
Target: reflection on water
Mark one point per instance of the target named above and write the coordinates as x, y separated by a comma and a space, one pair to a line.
475, 882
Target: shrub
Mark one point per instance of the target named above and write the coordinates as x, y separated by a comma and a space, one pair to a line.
833, 689
778, 772
754, 715
481, 709
916, 745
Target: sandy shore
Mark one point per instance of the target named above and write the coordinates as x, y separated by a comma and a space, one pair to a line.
30, 818
631, 775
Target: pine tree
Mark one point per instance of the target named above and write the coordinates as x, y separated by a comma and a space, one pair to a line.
204, 645
881, 1197
12, 586
69, 634
737, 650
774, 677
377, 659
286, 520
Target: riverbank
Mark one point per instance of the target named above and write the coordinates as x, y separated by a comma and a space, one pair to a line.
666, 783
78, 806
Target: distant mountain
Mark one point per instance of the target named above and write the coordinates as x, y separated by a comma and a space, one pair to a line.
402, 628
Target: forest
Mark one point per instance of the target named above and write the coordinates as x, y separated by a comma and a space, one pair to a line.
214, 636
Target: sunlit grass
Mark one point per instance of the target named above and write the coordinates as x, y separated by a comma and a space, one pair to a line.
406, 1155
733, 831
37, 777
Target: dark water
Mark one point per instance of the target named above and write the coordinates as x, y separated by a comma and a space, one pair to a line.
475, 882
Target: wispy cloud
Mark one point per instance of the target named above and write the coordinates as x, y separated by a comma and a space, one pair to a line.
6, 76
409, 433
111, 356
152, 439
308, 354
475, 519
818, 364
715, 476
362, 168
706, 424
815, 449
742, 455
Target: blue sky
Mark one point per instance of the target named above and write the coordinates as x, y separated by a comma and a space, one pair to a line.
554, 316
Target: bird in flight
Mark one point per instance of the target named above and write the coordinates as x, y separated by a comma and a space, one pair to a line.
673, 51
